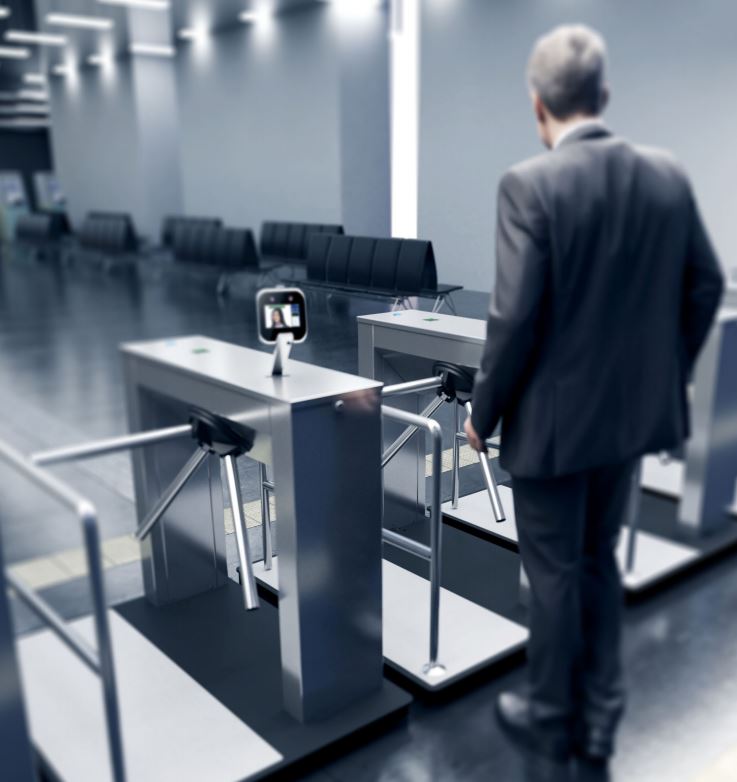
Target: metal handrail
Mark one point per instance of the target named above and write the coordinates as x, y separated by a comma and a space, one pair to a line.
100, 660
408, 433
432, 428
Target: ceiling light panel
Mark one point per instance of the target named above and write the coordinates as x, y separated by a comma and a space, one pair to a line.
14, 53
145, 5
152, 50
80, 22
40, 39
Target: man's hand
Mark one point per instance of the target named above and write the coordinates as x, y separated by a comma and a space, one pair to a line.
473, 439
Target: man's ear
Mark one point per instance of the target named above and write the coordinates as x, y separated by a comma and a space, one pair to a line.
539, 108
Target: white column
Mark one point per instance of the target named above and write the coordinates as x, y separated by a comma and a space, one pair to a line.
405, 112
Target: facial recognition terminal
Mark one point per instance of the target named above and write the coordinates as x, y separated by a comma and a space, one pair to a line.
281, 311
282, 321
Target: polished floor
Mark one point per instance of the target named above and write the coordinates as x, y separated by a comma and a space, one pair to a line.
62, 382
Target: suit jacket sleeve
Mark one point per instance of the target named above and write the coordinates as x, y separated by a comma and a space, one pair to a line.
523, 262
703, 287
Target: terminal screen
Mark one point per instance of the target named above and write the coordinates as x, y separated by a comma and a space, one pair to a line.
282, 310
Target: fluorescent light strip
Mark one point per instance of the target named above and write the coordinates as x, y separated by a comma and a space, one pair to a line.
153, 50
32, 95
14, 53
42, 39
60, 70
34, 78
98, 60
145, 5
81, 22
4, 12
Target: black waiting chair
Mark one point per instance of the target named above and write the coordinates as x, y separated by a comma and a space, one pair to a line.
286, 243
400, 269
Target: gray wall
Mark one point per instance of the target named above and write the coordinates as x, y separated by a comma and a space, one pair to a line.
282, 123
94, 141
288, 120
114, 141
673, 84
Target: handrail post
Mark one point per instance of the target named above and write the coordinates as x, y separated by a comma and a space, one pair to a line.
88, 519
432, 428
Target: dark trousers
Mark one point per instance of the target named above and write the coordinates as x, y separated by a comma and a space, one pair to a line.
568, 531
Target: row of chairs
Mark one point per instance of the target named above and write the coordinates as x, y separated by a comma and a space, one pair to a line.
111, 232
41, 228
170, 225
215, 245
290, 241
369, 266
400, 269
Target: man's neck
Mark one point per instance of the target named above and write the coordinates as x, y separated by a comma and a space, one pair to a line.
562, 130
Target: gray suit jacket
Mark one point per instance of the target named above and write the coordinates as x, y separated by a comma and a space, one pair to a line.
606, 289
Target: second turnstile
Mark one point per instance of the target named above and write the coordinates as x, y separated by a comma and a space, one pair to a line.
401, 346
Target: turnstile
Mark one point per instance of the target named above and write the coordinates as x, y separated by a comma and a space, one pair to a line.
404, 345
258, 690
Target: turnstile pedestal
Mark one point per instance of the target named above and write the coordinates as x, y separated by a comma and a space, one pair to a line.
329, 507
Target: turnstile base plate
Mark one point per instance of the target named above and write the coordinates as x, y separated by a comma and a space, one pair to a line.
172, 727
474, 510
235, 655
657, 557
200, 686
664, 478
471, 637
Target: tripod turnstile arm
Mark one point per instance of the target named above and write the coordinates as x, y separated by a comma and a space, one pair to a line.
491, 487
171, 492
248, 583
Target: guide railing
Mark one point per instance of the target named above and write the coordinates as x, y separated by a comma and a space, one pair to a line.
432, 554
99, 660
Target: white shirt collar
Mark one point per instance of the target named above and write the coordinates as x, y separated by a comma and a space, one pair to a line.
584, 123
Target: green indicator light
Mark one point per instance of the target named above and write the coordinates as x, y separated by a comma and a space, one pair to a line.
200, 350
431, 320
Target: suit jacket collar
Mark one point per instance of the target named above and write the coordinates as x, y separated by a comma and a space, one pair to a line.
589, 130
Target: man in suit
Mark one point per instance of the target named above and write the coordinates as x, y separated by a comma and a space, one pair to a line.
606, 288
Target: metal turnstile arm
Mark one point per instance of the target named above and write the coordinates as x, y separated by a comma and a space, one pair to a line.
171, 492
491, 486
248, 582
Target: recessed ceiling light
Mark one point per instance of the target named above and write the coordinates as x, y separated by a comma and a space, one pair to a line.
34, 78
42, 39
99, 60
4, 12
14, 53
83, 22
60, 70
191, 34
153, 50
255, 15
146, 5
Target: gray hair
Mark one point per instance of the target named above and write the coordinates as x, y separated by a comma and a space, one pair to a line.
567, 70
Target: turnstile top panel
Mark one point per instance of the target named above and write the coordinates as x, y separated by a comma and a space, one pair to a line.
421, 321
247, 370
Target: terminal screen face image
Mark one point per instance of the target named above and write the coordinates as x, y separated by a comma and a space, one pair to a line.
283, 316
282, 311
